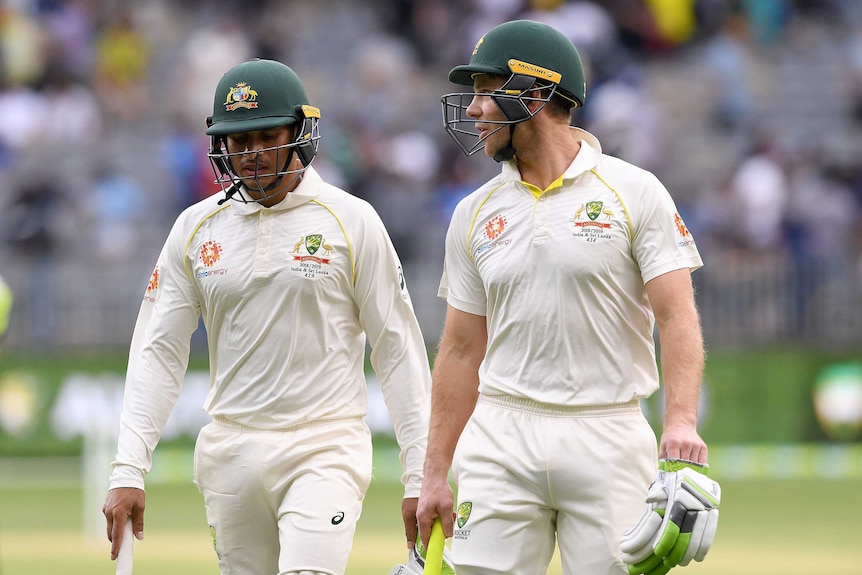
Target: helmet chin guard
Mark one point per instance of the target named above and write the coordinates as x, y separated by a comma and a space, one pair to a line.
237, 187
511, 99
534, 58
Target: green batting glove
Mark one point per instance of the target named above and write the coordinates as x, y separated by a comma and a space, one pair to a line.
680, 521
416, 562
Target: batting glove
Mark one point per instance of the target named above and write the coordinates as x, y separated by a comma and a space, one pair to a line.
680, 521
416, 562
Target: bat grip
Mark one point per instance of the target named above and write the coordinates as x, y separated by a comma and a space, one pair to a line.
124, 556
434, 556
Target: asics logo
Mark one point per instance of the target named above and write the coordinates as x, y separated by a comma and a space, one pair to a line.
338, 518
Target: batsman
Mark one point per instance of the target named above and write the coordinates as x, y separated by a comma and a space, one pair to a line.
292, 277
555, 274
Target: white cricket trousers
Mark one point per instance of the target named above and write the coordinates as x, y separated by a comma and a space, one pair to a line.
530, 475
284, 500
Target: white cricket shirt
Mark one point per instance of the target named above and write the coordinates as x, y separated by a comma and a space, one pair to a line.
288, 295
560, 278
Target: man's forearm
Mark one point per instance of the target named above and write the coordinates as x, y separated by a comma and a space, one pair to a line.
453, 398
682, 361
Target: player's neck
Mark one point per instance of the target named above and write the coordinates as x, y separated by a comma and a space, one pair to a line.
542, 163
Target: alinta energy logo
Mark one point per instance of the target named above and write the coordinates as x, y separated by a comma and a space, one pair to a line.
680, 226
152, 285
211, 252
685, 235
493, 229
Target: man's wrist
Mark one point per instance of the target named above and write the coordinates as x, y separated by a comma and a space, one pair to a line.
436, 468
124, 475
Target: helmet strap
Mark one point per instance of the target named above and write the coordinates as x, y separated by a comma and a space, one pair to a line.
223, 166
507, 152
285, 168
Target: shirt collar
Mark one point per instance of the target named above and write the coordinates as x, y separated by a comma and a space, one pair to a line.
587, 158
307, 189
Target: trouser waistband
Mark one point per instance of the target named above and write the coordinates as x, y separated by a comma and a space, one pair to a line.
225, 423
549, 409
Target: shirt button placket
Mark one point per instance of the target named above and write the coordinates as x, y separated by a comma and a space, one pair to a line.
540, 229
264, 237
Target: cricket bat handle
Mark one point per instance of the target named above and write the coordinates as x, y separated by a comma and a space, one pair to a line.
434, 556
124, 556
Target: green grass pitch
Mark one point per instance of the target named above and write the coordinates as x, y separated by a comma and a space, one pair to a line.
767, 527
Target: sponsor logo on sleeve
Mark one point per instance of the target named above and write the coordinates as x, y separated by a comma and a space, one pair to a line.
153, 286
685, 238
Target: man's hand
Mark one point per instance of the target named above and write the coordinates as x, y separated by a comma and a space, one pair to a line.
408, 514
416, 562
680, 521
436, 500
120, 504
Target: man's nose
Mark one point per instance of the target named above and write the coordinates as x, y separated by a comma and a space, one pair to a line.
474, 110
253, 146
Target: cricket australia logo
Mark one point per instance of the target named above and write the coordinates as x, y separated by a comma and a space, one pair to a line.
310, 254
312, 243
240, 96
213, 535
463, 515
594, 227
479, 43
594, 209
464, 510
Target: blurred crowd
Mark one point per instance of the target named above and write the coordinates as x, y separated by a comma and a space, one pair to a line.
750, 111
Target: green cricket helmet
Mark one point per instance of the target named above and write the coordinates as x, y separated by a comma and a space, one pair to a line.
260, 95
532, 57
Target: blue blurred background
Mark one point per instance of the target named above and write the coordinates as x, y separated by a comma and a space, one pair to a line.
750, 112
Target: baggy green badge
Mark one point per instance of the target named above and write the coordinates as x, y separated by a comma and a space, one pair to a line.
464, 510
594, 209
312, 243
